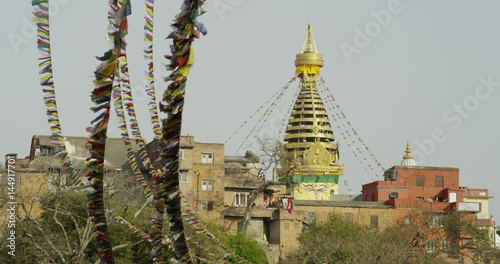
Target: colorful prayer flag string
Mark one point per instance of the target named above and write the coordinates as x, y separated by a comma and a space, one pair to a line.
353, 138
268, 111
118, 219
166, 193
41, 18
117, 97
345, 133
287, 115
101, 96
149, 81
127, 100
251, 116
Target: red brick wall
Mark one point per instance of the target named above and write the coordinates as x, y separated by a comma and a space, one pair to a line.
405, 185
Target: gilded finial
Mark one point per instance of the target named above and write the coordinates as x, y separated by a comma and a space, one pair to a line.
408, 154
408, 159
309, 45
308, 60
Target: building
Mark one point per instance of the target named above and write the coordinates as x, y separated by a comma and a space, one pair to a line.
40, 172
436, 188
477, 200
219, 187
430, 193
28, 186
42, 152
224, 188
201, 176
315, 170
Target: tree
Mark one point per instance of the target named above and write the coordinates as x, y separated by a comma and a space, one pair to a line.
239, 243
63, 232
339, 240
476, 247
243, 223
274, 157
423, 237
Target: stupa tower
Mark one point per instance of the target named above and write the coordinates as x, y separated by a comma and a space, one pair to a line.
309, 136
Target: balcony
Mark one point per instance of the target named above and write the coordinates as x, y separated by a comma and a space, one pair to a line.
485, 222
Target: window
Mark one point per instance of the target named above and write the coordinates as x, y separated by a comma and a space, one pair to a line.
439, 181
207, 205
181, 154
296, 226
55, 171
367, 198
46, 150
467, 241
436, 221
452, 197
332, 195
183, 176
373, 196
207, 186
429, 246
393, 195
286, 226
348, 216
374, 221
445, 245
240, 199
207, 158
419, 180
311, 216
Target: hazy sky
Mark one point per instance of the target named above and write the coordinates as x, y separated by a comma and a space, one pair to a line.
427, 75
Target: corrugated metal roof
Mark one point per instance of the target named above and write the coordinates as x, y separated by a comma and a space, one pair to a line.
115, 154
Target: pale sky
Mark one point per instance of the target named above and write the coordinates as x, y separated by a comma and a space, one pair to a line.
431, 68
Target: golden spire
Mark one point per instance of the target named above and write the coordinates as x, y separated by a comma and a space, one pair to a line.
309, 45
408, 159
308, 60
309, 133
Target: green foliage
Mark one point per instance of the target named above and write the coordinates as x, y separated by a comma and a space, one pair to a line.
339, 240
240, 244
60, 232
64, 234
247, 248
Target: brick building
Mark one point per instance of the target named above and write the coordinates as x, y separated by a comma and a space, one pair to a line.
474, 198
430, 193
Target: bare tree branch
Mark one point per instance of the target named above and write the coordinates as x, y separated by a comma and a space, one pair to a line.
40, 230
40, 248
243, 223
62, 227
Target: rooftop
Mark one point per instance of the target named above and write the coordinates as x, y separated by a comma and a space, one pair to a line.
353, 204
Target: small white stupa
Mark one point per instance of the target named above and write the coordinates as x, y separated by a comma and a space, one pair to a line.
408, 159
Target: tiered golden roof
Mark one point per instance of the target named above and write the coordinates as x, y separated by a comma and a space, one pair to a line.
309, 134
